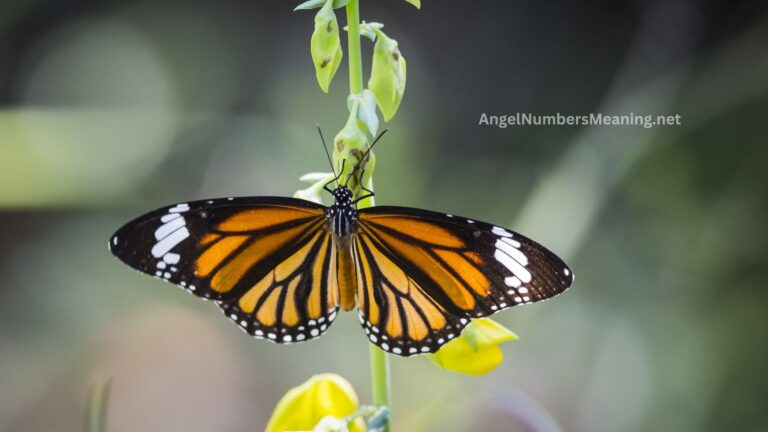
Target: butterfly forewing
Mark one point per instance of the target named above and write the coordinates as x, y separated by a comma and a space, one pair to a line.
265, 261
420, 270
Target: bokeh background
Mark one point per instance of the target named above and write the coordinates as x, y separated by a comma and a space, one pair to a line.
110, 109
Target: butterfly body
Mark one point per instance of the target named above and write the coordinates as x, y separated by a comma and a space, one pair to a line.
281, 268
342, 214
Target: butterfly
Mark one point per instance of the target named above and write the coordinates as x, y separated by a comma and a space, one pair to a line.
281, 268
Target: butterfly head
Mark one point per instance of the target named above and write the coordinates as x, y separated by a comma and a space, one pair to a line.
342, 196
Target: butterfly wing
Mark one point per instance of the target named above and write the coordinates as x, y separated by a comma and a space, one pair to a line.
423, 275
265, 261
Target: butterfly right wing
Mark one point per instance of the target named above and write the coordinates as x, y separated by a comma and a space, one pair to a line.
423, 275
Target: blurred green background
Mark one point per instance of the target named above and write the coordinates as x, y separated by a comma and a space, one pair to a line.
110, 109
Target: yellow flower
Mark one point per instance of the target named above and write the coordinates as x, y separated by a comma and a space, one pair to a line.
321, 403
476, 351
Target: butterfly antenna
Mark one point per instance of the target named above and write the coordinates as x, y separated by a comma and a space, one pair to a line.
365, 155
325, 147
374, 143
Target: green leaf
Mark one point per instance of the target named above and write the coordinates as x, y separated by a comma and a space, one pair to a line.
317, 4
388, 75
416, 3
326, 46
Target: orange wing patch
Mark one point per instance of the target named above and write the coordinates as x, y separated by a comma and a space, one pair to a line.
230, 269
428, 232
260, 218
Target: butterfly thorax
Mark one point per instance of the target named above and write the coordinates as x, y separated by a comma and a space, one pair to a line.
342, 214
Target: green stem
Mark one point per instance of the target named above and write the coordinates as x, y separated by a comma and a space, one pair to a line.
379, 371
379, 376
355, 57
379, 359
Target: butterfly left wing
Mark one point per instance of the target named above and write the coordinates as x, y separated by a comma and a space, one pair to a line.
266, 261
422, 275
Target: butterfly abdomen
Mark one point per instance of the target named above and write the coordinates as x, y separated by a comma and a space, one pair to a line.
346, 273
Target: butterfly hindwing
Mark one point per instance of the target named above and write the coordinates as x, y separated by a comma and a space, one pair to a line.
396, 311
263, 260
430, 269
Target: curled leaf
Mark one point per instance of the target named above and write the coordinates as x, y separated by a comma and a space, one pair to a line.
476, 351
326, 46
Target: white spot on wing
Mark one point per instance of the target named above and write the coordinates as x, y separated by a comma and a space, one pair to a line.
179, 208
169, 227
165, 245
512, 281
171, 258
509, 241
169, 217
513, 266
512, 251
501, 232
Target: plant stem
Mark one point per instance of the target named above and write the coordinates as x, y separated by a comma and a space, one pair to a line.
379, 376
379, 359
355, 57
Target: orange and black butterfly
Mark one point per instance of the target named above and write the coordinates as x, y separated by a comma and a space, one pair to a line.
281, 268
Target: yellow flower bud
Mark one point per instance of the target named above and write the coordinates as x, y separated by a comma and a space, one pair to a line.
476, 351
319, 402
388, 74
326, 45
